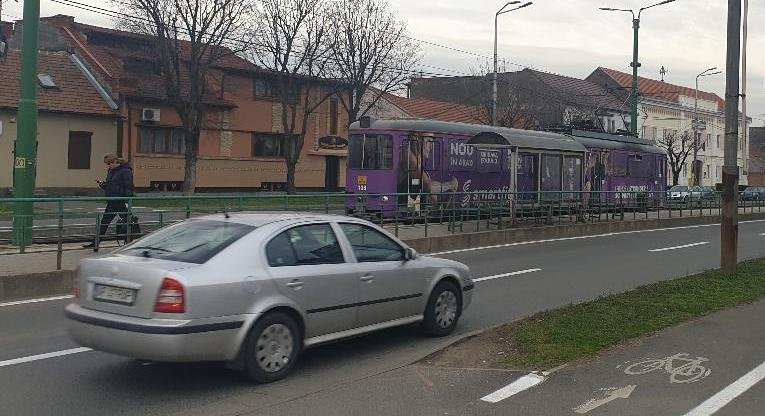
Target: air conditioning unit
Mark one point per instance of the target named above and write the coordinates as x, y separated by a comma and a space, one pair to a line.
150, 114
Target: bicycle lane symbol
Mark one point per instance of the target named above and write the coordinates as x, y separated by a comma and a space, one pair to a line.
680, 367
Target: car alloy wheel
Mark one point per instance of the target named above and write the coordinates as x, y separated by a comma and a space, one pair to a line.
446, 309
442, 310
271, 349
274, 348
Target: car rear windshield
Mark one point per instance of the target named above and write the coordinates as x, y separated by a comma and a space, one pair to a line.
192, 241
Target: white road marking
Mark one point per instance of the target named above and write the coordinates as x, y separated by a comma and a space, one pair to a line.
612, 394
526, 382
656, 250
497, 276
726, 395
583, 237
22, 302
762, 234
43, 356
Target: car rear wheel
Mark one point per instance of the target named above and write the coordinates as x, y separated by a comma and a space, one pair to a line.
443, 310
272, 347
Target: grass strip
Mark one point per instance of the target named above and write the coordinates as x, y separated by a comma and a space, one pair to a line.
580, 331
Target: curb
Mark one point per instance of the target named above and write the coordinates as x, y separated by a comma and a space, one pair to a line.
32, 285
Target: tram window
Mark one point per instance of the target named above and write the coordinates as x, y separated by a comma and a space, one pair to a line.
619, 165
551, 174
370, 151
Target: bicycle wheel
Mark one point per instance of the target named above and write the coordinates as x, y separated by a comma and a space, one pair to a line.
644, 367
689, 373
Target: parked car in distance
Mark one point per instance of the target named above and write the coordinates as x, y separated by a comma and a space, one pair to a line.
254, 289
753, 193
682, 193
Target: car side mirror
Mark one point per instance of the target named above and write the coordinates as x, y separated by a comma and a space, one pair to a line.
410, 254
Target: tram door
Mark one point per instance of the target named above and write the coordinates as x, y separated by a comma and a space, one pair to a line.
420, 172
597, 175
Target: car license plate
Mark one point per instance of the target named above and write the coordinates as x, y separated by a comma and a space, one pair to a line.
114, 294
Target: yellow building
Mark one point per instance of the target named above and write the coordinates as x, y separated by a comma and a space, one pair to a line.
667, 109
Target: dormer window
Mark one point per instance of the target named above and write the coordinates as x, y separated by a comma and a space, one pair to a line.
46, 81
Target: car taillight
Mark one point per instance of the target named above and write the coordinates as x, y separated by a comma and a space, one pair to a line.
170, 298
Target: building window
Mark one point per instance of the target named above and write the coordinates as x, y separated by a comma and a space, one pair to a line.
718, 141
654, 133
717, 170
268, 145
642, 132
166, 140
333, 116
685, 169
271, 89
708, 142
79, 150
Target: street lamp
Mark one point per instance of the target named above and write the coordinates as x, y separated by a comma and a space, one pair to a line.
503, 10
635, 64
696, 171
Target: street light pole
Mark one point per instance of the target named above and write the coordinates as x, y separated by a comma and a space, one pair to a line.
494, 74
635, 64
696, 170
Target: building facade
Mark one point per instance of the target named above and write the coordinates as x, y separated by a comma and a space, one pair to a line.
241, 145
531, 99
667, 109
77, 124
757, 156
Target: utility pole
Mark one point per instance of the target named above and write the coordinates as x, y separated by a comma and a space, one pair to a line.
729, 225
494, 74
25, 156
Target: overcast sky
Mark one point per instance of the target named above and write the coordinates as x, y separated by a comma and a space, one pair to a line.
568, 37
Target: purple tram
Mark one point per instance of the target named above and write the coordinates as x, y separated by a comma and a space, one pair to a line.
396, 165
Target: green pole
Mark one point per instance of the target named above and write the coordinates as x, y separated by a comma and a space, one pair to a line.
635, 64
24, 162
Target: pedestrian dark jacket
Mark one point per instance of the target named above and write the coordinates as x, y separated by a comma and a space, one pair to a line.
119, 181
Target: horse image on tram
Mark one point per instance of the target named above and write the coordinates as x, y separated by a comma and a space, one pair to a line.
411, 165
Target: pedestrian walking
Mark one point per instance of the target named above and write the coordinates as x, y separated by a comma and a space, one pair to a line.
119, 182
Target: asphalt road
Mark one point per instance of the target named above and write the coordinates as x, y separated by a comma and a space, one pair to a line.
570, 270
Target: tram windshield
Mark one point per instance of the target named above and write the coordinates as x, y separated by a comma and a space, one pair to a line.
370, 151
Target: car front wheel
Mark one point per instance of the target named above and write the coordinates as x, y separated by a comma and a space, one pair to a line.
272, 347
443, 310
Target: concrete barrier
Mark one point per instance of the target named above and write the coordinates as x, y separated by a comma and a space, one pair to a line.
17, 287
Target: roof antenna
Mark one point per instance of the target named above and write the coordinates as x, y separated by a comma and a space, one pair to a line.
663, 71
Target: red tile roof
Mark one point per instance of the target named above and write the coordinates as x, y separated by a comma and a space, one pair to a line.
435, 110
661, 91
73, 93
109, 56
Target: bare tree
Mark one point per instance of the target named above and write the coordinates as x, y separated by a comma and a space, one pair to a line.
678, 146
191, 37
293, 41
370, 47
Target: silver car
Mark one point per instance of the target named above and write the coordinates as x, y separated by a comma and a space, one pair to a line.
254, 289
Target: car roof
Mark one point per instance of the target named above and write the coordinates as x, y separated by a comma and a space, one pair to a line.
261, 218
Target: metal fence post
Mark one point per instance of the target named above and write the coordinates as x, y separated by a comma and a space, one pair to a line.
60, 247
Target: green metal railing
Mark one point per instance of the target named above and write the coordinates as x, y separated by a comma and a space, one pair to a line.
64, 224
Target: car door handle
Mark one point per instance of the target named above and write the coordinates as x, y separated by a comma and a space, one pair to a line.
367, 278
295, 284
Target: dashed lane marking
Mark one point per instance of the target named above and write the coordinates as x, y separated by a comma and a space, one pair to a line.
39, 357
656, 250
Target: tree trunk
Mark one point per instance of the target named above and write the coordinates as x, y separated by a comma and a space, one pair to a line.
190, 168
675, 177
291, 166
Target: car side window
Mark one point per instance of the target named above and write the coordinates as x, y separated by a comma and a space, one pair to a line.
304, 245
371, 245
